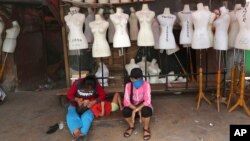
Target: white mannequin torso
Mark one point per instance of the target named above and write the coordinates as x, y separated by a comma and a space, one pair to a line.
100, 46
131, 65
186, 34
114, 1
76, 38
87, 31
234, 26
156, 31
1, 31
153, 69
102, 69
121, 38
167, 40
145, 35
133, 24
221, 25
243, 38
9, 44
125, 1
111, 29
201, 19
143, 64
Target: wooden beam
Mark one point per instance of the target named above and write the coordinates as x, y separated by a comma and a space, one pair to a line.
65, 47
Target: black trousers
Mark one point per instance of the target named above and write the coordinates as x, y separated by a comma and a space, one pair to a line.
145, 112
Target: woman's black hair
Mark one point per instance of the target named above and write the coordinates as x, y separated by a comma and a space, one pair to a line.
88, 81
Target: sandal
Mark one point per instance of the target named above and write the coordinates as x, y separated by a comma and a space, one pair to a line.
148, 136
127, 134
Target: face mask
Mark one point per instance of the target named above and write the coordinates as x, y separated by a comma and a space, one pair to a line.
138, 83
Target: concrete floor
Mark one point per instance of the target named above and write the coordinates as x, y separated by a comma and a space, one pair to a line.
26, 116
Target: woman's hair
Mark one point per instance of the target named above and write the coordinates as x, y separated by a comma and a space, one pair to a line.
88, 81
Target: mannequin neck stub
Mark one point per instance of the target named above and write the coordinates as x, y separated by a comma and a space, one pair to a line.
98, 17
200, 6
119, 10
186, 8
166, 11
145, 7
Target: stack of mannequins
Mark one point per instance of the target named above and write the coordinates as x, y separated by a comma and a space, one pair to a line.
151, 30
8, 45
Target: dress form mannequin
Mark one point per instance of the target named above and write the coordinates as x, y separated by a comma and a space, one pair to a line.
153, 69
234, 26
156, 31
133, 24
143, 64
102, 69
74, 21
201, 19
145, 35
1, 31
120, 20
100, 46
186, 26
243, 38
131, 65
87, 31
166, 20
210, 25
9, 44
221, 25
111, 29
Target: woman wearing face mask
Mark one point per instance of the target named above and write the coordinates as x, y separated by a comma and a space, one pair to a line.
137, 97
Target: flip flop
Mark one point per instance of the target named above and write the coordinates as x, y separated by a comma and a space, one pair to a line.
127, 134
147, 137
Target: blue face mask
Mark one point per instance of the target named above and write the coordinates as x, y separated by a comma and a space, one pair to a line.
138, 83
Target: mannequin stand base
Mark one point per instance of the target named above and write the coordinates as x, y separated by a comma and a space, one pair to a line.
241, 101
201, 93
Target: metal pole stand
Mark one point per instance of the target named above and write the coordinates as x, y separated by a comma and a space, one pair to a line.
233, 84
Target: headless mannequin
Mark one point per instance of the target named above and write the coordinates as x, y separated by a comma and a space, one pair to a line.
9, 44
234, 26
153, 69
100, 46
143, 64
156, 31
166, 20
243, 38
120, 20
105, 72
201, 19
133, 24
145, 35
186, 26
1, 31
74, 21
131, 65
111, 29
221, 24
87, 31
210, 27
